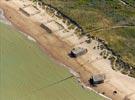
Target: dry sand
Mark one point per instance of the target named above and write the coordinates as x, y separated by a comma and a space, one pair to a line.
61, 42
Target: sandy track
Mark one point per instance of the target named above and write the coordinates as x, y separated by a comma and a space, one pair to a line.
59, 49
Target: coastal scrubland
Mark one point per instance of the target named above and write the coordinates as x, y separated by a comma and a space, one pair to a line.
109, 20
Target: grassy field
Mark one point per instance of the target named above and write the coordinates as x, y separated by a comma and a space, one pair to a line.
26, 73
97, 16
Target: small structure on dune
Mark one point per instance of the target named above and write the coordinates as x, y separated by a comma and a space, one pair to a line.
29, 10
97, 79
75, 52
43, 25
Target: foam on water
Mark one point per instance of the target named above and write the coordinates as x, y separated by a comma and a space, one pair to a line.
31, 38
3, 18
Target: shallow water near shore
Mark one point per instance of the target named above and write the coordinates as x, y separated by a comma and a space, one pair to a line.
29, 74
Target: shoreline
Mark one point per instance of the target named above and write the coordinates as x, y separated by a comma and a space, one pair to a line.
3, 19
70, 70
47, 50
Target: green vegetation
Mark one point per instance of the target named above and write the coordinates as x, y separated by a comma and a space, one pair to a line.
26, 73
95, 13
121, 40
97, 16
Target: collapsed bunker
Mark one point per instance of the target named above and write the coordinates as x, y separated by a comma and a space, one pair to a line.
29, 10
43, 25
75, 52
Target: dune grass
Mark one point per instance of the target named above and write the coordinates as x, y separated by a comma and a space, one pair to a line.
121, 40
103, 14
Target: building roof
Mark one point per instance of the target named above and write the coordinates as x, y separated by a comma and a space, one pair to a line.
78, 50
98, 77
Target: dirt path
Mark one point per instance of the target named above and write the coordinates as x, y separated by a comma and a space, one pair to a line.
110, 28
58, 49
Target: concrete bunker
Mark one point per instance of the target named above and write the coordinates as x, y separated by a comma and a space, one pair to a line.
43, 25
29, 10
97, 79
75, 52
